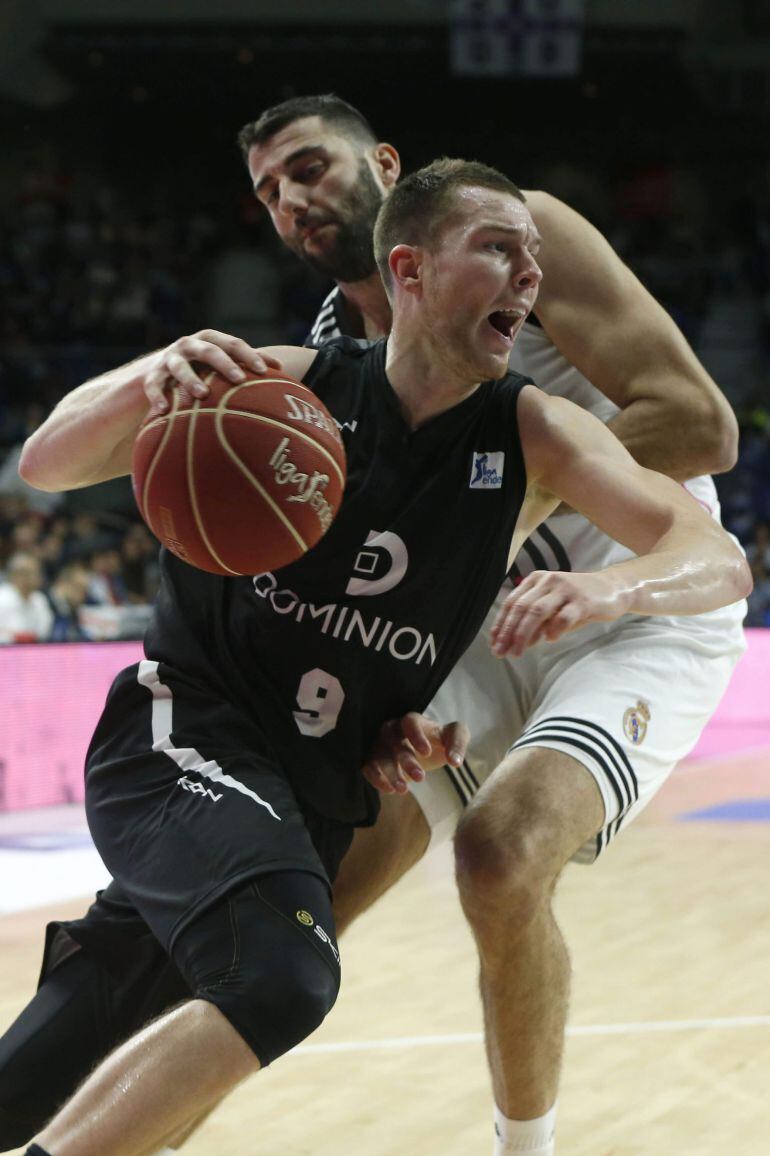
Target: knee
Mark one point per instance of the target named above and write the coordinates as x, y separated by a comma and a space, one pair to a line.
269, 965
276, 1007
502, 869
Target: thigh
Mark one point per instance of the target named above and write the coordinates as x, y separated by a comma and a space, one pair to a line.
185, 801
379, 856
628, 701
90, 999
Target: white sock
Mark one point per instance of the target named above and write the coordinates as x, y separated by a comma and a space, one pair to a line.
533, 1137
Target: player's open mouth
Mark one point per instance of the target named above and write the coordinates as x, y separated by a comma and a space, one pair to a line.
506, 322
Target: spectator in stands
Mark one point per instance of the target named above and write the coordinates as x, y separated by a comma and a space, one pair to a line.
67, 593
140, 563
107, 586
26, 534
51, 549
85, 537
25, 615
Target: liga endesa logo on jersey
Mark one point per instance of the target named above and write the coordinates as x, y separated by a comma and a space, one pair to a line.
487, 471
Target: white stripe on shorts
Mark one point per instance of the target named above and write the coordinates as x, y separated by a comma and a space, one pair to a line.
186, 758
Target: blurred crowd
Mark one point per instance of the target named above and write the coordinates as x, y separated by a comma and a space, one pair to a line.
92, 275
73, 577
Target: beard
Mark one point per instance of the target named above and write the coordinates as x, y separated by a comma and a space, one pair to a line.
350, 257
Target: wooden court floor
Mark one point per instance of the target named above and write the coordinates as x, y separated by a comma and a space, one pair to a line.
668, 1049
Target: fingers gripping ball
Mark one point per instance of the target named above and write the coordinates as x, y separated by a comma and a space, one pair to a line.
244, 480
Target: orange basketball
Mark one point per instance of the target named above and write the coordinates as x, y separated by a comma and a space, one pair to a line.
242, 481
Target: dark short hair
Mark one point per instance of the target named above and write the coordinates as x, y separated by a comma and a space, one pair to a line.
332, 110
420, 206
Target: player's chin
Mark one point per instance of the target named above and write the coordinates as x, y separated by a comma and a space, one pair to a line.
491, 366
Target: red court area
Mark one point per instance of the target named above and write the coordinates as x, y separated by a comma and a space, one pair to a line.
53, 694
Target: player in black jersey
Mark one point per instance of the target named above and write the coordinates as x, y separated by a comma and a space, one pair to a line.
232, 875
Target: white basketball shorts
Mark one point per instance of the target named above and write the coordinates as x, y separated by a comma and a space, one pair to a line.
626, 699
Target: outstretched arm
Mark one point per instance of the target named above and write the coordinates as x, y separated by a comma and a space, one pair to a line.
686, 562
89, 437
598, 314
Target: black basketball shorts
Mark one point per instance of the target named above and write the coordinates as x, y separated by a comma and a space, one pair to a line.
185, 800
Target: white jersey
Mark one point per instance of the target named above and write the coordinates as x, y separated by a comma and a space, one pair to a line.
569, 541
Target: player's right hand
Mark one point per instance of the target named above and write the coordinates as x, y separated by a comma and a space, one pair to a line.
409, 746
172, 366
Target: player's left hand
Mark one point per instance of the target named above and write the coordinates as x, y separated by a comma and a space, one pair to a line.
409, 746
549, 603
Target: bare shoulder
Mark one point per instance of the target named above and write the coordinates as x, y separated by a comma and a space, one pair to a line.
539, 413
538, 417
553, 429
293, 359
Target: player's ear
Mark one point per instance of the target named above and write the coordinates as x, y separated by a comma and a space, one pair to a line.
405, 263
388, 164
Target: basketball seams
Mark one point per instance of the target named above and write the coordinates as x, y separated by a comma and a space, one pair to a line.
263, 493
291, 429
169, 422
282, 380
248, 451
193, 494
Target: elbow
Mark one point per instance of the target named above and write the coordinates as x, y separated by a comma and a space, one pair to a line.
744, 579
725, 451
719, 438
30, 470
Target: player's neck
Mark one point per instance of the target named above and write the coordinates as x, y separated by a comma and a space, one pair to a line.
367, 303
426, 385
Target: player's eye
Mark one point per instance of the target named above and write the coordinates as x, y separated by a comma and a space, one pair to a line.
310, 171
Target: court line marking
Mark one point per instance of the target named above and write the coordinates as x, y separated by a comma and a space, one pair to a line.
726, 1022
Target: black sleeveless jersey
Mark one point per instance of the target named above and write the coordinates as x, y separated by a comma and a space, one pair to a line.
369, 623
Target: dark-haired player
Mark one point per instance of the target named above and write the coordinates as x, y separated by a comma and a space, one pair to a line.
274, 711
581, 733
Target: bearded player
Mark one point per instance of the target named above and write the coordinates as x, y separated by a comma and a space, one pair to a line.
592, 753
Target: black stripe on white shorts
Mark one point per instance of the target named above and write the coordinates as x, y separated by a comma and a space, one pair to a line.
599, 744
464, 781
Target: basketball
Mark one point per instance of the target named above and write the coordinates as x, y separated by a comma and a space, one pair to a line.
243, 481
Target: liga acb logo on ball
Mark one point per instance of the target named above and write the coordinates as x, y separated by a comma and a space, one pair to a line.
242, 481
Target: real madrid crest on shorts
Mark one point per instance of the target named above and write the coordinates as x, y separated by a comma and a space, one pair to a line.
635, 722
